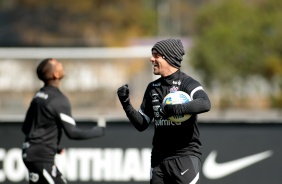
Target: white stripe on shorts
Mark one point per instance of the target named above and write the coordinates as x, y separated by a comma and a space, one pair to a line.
48, 177
194, 181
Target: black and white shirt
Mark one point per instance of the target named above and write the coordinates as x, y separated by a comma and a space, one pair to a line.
49, 113
171, 139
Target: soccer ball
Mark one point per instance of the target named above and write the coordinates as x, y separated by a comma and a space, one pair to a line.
177, 97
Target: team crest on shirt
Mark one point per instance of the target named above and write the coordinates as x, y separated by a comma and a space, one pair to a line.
173, 89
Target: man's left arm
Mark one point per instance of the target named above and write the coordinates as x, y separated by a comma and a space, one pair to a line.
199, 104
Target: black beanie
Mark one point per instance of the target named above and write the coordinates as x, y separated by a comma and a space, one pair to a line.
172, 50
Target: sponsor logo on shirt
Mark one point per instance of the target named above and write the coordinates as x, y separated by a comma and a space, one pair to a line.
41, 95
176, 82
157, 84
165, 122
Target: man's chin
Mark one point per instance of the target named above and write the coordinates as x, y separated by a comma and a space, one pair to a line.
156, 72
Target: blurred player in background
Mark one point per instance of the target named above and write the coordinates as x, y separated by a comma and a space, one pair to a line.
49, 113
176, 149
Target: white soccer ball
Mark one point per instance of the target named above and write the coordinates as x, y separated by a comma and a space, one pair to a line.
177, 97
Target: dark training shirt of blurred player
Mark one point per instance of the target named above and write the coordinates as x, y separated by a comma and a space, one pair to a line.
48, 115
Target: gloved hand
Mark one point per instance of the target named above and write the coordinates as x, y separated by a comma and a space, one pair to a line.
162, 112
123, 95
166, 110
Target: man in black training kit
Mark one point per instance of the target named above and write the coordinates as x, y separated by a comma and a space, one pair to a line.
49, 113
176, 152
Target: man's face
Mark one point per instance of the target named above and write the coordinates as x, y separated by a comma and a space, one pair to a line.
160, 65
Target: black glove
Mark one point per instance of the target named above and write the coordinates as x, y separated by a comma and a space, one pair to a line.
166, 110
123, 95
162, 112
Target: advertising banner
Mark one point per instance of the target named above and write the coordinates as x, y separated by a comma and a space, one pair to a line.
232, 153
241, 153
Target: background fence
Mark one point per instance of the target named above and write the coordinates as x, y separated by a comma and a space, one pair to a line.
93, 76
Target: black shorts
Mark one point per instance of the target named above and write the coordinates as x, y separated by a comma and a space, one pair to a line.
44, 173
180, 170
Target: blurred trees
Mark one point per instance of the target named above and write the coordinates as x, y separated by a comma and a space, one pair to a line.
75, 23
238, 39
92, 22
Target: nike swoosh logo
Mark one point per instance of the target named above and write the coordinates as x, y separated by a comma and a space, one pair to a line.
214, 170
184, 172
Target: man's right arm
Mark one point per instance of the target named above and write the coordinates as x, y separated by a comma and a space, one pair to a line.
135, 117
73, 132
63, 110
